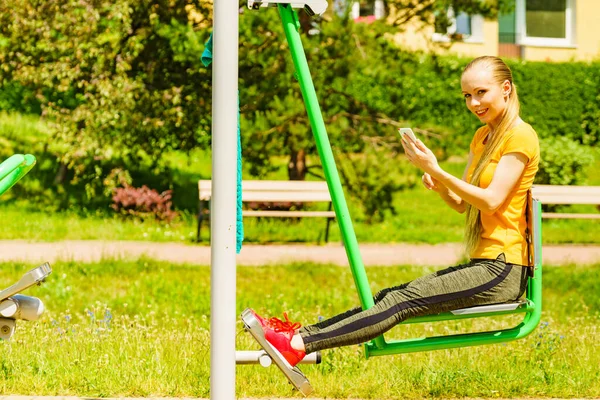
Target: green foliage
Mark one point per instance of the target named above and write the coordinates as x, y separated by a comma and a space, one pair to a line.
371, 185
563, 162
120, 86
15, 97
591, 122
21, 134
118, 82
560, 99
402, 11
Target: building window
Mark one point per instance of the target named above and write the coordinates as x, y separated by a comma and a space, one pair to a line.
546, 22
463, 24
368, 10
463, 27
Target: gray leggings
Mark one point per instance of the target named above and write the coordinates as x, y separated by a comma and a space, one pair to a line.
478, 282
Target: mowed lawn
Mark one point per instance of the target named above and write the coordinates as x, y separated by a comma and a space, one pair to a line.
116, 329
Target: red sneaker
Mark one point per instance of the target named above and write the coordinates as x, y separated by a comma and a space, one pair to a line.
279, 333
263, 321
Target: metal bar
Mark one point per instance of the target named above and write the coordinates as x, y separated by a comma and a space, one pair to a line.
33, 277
224, 189
247, 357
13, 169
529, 323
452, 341
449, 316
290, 25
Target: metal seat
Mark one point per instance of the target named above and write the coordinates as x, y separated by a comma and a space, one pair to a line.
531, 307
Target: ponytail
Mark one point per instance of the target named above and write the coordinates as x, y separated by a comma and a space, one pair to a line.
501, 73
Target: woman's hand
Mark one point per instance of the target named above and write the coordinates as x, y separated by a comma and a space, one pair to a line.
431, 183
420, 156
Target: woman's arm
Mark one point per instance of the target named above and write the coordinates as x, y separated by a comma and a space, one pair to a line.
449, 197
488, 200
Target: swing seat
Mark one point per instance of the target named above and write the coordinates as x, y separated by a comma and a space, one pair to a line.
476, 312
531, 307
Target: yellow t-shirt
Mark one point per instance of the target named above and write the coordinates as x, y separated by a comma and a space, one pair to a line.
504, 231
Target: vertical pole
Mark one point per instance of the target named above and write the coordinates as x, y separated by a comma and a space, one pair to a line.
223, 213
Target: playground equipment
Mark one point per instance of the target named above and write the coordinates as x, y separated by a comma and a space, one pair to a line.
530, 307
223, 238
15, 306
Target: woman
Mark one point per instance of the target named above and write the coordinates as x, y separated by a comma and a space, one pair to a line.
502, 163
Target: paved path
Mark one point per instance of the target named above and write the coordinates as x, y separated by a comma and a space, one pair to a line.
372, 254
16, 397
185, 398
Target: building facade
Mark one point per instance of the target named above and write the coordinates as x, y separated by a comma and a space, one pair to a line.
537, 30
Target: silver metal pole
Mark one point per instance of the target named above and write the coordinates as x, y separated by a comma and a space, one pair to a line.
223, 212
261, 357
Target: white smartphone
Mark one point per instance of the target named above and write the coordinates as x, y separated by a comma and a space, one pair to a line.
409, 132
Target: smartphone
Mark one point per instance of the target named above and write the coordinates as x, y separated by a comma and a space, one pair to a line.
409, 132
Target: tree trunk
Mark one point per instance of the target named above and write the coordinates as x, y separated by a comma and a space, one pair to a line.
297, 165
60, 176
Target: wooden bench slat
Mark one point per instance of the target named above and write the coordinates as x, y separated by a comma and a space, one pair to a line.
544, 189
302, 197
290, 214
257, 185
562, 199
564, 194
262, 191
275, 191
273, 197
570, 216
254, 185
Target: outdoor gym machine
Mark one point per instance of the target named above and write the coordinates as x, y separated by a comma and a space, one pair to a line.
530, 306
14, 306
223, 220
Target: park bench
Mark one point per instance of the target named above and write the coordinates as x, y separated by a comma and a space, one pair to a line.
567, 195
260, 192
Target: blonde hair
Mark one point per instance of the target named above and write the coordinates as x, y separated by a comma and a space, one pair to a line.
500, 73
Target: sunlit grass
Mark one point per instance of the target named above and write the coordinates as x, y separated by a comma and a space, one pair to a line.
117, 328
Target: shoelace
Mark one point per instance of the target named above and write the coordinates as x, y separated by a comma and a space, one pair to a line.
284, 326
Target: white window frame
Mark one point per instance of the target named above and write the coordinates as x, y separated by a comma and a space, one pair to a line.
378, 10
476, 35
567, 42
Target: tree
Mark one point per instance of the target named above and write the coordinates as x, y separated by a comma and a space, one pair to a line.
354, 67
119, 81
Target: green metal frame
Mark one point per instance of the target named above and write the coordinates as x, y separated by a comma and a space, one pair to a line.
379, 346
13, 169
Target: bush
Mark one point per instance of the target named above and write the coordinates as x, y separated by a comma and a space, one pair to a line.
143, 203
591, 123
368, 179
563, 162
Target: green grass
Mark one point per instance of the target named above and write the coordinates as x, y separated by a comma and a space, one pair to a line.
117, 328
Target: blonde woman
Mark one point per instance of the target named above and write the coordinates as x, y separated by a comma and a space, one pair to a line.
502, 163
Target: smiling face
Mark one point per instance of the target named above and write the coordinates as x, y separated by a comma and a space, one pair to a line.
484, 96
